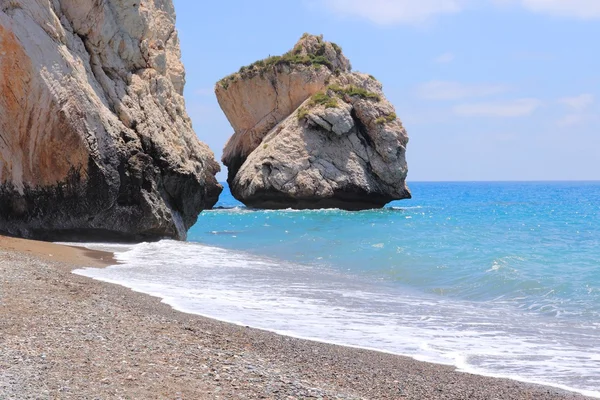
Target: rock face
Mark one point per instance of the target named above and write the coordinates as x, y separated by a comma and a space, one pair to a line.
309, 133
95, 142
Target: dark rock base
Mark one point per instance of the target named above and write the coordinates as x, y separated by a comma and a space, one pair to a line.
348, 200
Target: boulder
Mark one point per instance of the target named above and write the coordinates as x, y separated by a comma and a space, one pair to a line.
309, 133
95, 142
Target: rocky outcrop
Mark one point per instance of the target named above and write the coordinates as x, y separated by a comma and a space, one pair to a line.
309, 133
95, 142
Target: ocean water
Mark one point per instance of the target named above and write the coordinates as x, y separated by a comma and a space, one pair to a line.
497, 279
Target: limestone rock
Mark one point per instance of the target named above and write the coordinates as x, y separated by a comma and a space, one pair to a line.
95, 142
263, 94
312, 134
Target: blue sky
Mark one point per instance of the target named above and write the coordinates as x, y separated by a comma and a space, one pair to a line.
487, 89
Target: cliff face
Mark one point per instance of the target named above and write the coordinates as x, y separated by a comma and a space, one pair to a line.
95, 142
309, 133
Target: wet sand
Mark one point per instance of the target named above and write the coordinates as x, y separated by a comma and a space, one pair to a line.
63, 336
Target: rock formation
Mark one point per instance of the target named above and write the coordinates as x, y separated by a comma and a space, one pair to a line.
95, 142
309, 133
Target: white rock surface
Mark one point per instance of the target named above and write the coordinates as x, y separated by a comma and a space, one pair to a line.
344, 149
95, 139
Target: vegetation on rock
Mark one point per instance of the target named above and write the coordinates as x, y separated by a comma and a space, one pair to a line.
387, 118
322, 98
355, 91
337, 48
325, 98
294, 57
302, 113
319, 98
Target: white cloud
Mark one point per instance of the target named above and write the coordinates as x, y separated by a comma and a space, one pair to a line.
388, 12
572, 119
444, 90
583, 9
578, 109
512, 108
445, 58
578, 103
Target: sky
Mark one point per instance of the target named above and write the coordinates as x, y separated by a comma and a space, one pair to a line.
487, 89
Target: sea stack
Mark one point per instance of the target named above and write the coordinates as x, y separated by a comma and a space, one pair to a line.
310, 133
95, 142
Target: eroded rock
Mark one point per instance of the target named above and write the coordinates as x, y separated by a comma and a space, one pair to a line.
338, 143
95, 142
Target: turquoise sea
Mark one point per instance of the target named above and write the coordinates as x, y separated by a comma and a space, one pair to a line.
498, 279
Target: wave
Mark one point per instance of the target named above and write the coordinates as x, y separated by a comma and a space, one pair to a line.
244, 209
321, 303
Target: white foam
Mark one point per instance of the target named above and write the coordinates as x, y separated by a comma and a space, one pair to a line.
316, 303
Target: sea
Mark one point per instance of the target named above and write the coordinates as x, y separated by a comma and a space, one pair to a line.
499, 279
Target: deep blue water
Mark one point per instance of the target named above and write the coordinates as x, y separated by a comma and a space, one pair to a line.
499, 279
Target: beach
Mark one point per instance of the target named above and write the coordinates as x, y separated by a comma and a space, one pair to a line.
63, 336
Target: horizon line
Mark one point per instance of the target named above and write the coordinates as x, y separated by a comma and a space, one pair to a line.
500, 181
510, 181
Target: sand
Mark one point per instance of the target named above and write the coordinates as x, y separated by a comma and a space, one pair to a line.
63, 336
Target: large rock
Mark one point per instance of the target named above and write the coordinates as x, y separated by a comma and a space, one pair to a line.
95, 142
309, 133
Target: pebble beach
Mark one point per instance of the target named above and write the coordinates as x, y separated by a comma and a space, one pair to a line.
63, 336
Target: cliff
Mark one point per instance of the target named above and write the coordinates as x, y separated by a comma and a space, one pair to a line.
309, 133
95, 142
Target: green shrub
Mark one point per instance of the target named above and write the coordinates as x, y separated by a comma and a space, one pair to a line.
355, 91
302, 113
307, 59
321, 50
225, 82
293, 57
318, 99
388, 118
337, 48
322, 98
362, 93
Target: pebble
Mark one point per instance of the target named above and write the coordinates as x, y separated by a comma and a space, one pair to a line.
64, 345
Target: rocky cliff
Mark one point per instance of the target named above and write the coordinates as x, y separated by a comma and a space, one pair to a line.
95, 142
309, 133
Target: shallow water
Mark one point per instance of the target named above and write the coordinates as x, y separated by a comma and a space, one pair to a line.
500, 279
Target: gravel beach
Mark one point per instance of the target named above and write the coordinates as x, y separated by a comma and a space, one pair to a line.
63, 336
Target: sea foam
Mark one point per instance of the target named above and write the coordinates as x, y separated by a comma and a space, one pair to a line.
321, 303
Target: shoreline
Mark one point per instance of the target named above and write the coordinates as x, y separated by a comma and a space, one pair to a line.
48, 251
150, 350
